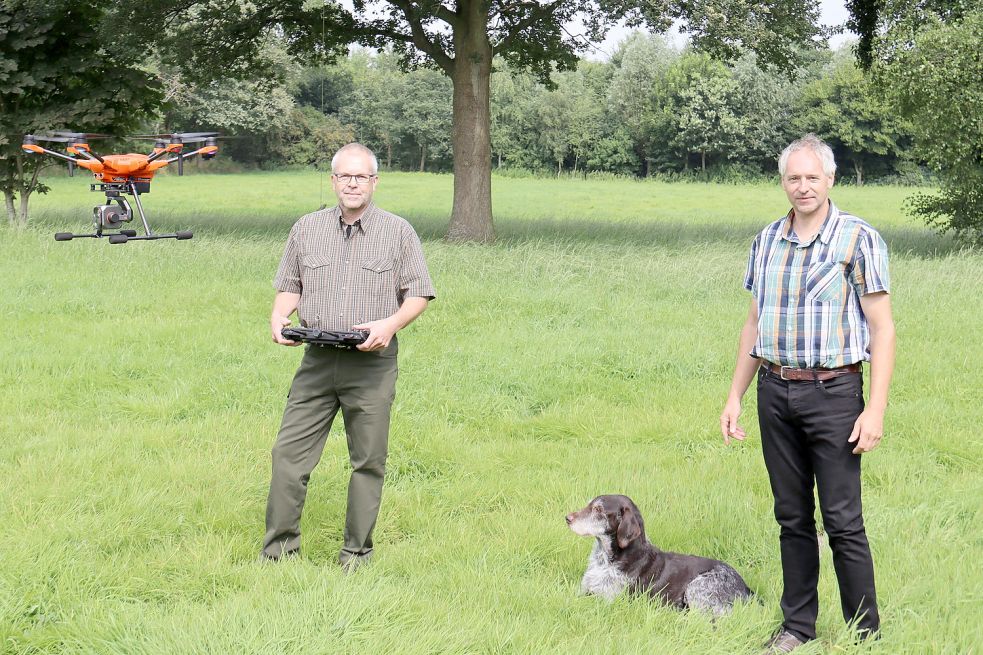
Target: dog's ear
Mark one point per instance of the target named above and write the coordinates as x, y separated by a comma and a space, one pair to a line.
628, 529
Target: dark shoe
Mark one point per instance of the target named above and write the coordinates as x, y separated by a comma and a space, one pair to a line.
354, 562
783, 642
265, 557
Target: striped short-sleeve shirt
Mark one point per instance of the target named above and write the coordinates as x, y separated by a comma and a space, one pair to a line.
808, 294
344, 277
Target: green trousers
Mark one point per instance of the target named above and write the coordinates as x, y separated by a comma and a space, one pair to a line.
363, 386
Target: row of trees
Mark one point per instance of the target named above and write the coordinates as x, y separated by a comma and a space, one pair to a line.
651, 109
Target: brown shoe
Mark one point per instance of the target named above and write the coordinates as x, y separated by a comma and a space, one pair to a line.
783, 642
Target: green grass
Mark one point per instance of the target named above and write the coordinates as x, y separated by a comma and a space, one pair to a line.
589, 351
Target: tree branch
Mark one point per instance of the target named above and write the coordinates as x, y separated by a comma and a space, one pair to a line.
384, 32
34, 178
447, 15
420, 39
535, 15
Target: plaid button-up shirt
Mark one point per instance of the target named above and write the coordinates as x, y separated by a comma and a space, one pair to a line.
346, 281
808, 294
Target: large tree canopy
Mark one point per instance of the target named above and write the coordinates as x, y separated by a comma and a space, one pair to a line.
944, 104
893, 23
60, 70
926, 57
461, 39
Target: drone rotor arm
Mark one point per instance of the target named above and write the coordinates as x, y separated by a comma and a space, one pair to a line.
182, 156
91, 156
204, 150
157, 154
44, 151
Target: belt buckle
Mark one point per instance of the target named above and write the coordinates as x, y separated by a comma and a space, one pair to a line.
781, 372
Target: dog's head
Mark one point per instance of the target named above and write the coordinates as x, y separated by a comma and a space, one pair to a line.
614, 517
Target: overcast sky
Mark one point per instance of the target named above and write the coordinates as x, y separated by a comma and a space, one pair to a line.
832, 12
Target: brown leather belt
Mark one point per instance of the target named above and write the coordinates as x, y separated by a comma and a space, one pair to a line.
790, 373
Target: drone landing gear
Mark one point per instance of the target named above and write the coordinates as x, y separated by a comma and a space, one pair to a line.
131, 235
68, 236
125, 235
112, 216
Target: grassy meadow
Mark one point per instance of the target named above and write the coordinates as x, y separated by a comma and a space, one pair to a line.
588, 351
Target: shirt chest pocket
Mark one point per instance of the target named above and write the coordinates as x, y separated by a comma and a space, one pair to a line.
824, 282
315, 272
378, 274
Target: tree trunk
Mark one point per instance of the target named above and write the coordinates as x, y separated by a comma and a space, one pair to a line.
11, 210
389, 154
858, 167
25, 196
24, 189
423, 156
471, 219
703, 161
576, 159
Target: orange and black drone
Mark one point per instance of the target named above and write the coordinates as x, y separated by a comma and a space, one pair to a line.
128, 174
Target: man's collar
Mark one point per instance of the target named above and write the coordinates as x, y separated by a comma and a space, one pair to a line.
826, 231
363, 222
346, 228
785, 229
830, 224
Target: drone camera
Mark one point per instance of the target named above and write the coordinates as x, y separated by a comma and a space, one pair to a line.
110, 216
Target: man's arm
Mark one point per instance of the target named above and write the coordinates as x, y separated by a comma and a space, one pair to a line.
869, 428
381, 332
744, 371
284, 304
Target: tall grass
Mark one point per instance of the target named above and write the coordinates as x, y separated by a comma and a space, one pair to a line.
587, 352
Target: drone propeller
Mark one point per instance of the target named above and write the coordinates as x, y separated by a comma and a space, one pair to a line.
166, 142
81, 135
34, 138
63, 137
177, 137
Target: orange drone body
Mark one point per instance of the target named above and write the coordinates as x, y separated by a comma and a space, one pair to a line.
118, 176
121, 168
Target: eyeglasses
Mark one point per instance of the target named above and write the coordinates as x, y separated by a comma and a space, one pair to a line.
346, 179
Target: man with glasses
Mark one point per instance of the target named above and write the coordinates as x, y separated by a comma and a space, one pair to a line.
351, 267
820, 307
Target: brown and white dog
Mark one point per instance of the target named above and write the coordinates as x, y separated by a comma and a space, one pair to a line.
623, 559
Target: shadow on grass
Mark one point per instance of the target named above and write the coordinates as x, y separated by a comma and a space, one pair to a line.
910, 241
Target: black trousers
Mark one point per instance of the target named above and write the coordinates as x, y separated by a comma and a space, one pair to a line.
804, 430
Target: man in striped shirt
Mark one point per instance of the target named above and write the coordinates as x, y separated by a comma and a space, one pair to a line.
351, 267
820, 306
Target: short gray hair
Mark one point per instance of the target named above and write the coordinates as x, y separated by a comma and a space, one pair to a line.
810, 142
356, 147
